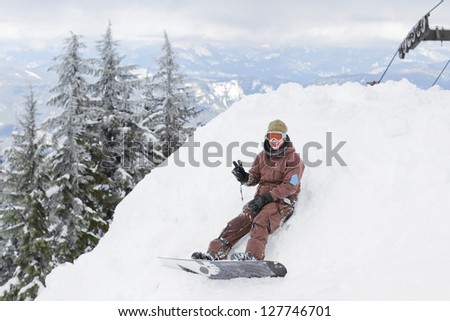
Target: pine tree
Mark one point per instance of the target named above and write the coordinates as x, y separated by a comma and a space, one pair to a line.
149, 116
121, 150
25, 221
6, 255
78, 225
173, 99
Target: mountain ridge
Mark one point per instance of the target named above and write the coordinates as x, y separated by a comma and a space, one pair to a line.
244, 70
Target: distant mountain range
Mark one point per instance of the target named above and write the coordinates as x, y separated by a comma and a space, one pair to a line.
222, 75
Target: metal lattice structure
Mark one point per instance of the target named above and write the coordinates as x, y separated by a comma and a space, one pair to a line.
422, 32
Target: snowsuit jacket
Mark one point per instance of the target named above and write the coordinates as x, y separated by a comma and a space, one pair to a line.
278, 175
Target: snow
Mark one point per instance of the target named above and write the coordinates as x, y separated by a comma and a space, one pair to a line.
227, 91
33, 74
5, 287
376, 229
52, 191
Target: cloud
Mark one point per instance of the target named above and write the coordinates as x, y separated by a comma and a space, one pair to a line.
344, 22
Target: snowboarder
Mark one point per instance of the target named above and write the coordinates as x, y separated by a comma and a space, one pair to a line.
278, 170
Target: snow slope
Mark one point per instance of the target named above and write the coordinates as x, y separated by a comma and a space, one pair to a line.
376, 229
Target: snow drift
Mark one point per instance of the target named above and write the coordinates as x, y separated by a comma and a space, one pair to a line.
376, 229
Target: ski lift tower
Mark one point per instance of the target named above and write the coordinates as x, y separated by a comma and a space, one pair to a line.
420, 32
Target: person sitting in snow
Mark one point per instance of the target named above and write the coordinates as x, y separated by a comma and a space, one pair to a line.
278, 170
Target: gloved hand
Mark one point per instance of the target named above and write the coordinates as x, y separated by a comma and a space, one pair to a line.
259, 202
239, 172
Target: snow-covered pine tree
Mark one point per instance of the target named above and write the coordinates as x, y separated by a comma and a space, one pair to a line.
122, 148
25, 220
6, 257
151, 117
79, 225
173, 100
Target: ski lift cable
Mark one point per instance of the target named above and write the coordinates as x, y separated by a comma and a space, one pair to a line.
435, 7
441, 73
384, 73
389, 65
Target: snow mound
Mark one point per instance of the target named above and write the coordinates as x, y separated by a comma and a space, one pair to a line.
376, 229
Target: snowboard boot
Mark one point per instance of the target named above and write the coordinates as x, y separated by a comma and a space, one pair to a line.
204, 256
242, 256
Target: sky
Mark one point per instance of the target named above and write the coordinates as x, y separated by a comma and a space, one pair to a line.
37, 24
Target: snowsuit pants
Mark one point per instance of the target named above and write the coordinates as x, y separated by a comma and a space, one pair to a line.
260, 225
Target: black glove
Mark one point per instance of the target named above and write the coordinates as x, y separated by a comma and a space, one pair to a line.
239, 172
259, 202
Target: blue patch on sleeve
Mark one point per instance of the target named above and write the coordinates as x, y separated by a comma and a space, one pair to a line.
294, 180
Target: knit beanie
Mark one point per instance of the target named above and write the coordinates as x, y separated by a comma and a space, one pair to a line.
277, 126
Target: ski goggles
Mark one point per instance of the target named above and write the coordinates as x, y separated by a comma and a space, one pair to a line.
276, 136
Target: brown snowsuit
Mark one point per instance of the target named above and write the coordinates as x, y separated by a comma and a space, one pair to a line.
278, 174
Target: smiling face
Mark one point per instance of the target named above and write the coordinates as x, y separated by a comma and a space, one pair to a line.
276, 139
276, 144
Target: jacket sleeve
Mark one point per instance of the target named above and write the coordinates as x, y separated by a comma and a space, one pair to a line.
291, 179
255, 172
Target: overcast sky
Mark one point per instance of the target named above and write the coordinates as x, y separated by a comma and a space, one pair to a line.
42, 24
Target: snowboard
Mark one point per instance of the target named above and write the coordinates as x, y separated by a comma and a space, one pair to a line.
227, 269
